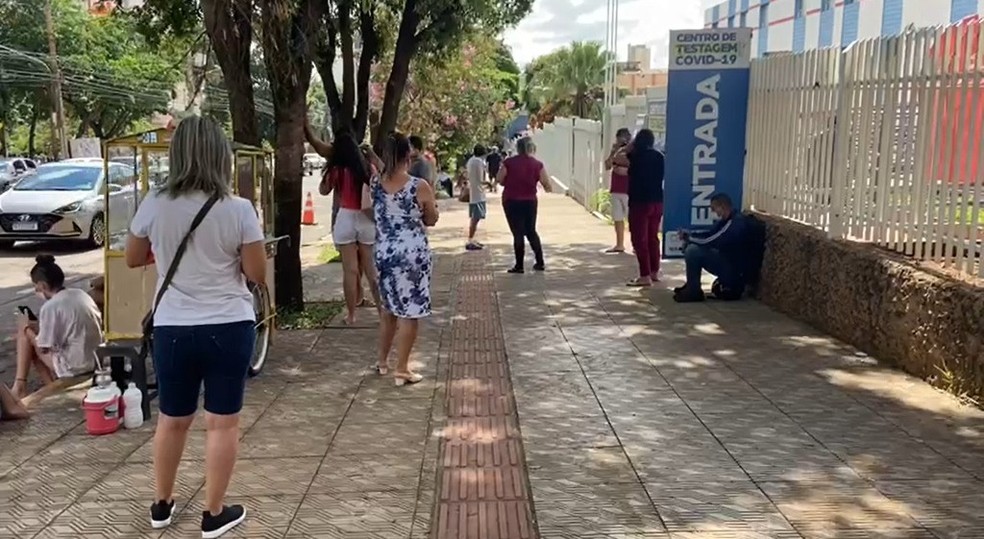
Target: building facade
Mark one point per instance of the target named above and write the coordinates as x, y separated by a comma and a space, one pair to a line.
641, 55
798, 25
636, 74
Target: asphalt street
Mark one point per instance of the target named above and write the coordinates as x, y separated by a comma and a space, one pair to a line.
81, 264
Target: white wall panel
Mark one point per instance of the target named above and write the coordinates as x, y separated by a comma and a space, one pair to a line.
812, 29
870, 19
781, 36
925, 12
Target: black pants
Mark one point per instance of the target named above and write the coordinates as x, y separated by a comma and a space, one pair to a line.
521, 216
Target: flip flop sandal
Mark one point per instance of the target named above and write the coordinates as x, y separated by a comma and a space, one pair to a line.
403, 378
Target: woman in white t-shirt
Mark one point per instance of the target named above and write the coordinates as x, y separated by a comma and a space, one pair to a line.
62, 342
204, 326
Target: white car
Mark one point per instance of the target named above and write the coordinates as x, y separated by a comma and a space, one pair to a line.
12, 169
313, 161
66, 201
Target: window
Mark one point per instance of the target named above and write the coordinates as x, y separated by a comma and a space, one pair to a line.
764, 16
848, 2
798, 10
731, 22
825, 5
742, 22
714, 24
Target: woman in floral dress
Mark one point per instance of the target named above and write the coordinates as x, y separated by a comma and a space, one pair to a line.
404, 206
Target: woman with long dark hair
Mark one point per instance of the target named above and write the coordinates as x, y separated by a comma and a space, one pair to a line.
519, 176
404, 207
646, 166
353, 231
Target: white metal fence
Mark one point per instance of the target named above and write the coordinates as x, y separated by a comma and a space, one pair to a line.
880, 142
573, 153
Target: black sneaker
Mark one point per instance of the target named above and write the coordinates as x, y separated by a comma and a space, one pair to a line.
215, 525
515, 269
689, 296
160, 514
539, 267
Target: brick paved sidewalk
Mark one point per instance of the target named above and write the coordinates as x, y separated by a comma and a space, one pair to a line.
556, 405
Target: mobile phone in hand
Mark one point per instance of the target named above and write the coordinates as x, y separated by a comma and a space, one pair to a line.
26, 311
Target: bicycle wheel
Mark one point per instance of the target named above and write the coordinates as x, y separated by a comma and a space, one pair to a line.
264, 320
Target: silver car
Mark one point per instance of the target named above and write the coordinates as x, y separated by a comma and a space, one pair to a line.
65, 201
12, 169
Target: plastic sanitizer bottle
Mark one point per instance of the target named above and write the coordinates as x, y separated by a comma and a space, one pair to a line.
132, 410
118, 393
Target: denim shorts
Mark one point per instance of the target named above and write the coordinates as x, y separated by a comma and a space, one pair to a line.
476, 210
216, 355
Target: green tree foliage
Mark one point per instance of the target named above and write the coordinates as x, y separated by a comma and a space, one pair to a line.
460, 99
112, 78
437, 26
569, 80
295, 33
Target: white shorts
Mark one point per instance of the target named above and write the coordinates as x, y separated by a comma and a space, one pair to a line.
353, 226
620, 206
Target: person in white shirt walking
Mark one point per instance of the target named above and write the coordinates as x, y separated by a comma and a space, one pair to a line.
477, 176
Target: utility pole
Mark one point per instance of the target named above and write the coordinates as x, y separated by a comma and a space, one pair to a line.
56, 87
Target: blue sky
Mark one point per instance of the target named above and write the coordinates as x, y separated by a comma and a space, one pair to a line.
554, 23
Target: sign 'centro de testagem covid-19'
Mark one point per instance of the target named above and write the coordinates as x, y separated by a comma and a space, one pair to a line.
707, 108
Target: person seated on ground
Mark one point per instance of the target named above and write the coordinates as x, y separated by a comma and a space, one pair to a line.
62, 342
461, 184
10, 406
718, 251
97, 289
444, 181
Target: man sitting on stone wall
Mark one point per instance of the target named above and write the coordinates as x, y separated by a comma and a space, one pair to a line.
721, 251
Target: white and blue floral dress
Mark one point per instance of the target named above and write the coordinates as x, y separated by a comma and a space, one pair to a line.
402, 252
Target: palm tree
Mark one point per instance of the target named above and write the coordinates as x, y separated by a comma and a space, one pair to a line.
572, 78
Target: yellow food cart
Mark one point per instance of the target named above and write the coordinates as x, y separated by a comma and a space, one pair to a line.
129, 292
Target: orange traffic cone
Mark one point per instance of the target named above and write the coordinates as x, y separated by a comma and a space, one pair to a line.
307, 218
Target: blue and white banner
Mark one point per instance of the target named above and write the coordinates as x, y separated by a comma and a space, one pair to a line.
706, 113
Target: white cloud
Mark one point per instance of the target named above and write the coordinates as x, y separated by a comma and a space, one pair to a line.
555, 23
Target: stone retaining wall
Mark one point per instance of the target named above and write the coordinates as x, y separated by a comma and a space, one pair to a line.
922, 322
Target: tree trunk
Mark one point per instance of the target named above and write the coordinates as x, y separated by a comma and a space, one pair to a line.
324, 60
406, 46
288, 30
370, 51
348, 61
32, 130
229, 26
287, 192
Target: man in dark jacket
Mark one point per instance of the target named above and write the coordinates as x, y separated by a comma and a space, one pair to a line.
718, 251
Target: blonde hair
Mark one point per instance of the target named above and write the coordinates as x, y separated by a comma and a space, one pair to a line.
200, 159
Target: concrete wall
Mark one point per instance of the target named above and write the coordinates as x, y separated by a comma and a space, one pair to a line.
881, 303
872, 18
926, 13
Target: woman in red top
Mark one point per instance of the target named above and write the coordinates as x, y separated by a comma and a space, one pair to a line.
519, 177
353, 231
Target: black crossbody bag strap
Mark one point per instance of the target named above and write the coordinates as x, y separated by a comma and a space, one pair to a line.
179, 253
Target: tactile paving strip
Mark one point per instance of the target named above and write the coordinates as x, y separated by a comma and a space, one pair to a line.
483, 488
